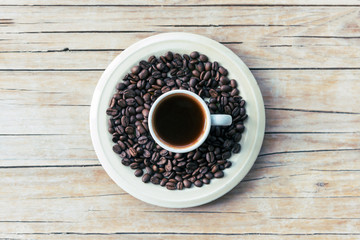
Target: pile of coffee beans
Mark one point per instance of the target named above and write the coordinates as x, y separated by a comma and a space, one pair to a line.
129, 111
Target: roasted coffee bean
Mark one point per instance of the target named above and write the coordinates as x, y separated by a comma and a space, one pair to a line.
233, 83
163, 182
147, 153
223, 71
226, 155
134, 165
117, 149
138, 173
122, 145
196, 73
235, 112
139, 116
146, 178
203, 170
139, 109
210, 157
162, 161
170, 185
219, 174
139, 100
187, 183
197, 155
168, 166
125, 161
149, 170
203, 58
228, 143
214, 168
158, 175
178, 178
181, 164
141, 129
225, 88
131, 110
164, 152
234, 92
240, 128
111, 112
209, 175
120, 129
236, 148
133, 152
198, 183
200, 67
224, 80
145, 112
193, 82
169, 56
129, 93
146, 97
135, 70
227, 109
142, 140
130, 101
213, 106
124, 121
191, 165
112, 102
207, 76
194, 54
227, 164
237, 137
180, 186
143, 74
121, 103
120, 86
129, 130
155, 180
205, 180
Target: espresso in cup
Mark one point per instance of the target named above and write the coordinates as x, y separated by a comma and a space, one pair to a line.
179, 120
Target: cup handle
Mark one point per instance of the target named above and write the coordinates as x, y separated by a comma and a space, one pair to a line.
220, 120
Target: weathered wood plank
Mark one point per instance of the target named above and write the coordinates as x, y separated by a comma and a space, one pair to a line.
294, 202
304, 21
276, 35
26, 150
181, 2
179, 236
262, 58
255, 37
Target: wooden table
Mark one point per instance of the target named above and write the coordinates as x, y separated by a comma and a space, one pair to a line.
305, 56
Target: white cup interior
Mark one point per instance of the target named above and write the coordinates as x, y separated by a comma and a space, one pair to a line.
173, 148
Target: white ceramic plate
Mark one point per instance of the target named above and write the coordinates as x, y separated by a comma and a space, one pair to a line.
178, 43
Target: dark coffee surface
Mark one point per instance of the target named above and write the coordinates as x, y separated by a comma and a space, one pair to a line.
179, 120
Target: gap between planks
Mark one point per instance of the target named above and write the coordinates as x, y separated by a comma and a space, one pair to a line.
259, 156
190, 234
179, 6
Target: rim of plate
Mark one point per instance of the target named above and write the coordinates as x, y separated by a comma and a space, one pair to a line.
251, 141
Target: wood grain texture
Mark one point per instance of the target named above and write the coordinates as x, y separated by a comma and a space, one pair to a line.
305, 57
176, 3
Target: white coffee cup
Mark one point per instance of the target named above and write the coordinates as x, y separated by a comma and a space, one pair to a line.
210, 120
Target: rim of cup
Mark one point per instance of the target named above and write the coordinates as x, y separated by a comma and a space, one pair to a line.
205, 132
